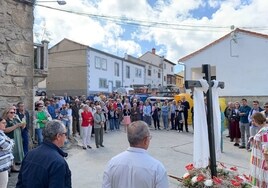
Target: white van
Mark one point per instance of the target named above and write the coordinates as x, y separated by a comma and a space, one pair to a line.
125, 90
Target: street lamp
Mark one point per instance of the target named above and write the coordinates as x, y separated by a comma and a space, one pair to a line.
60, 2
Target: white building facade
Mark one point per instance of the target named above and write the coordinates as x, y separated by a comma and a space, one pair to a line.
239, 59
158, 70
107, 72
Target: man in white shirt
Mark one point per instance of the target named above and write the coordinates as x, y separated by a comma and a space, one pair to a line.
135, 168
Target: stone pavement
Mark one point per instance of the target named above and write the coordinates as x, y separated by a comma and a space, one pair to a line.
173, 149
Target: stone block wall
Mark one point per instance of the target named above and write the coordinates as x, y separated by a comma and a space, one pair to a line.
250, 99
16, 53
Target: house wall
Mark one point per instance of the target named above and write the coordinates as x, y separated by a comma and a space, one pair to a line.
135, 77
154, 62
168, 70
180, 82
158, 64
95, 73
153, 80
16, 54
239, 64
67, 69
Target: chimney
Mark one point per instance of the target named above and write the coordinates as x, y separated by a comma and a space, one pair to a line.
153, 50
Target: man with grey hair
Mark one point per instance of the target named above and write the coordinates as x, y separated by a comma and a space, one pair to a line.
45, 165
135, 168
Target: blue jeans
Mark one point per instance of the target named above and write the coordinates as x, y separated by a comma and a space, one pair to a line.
141, 117
148, 120
67, 125
111, 121
116, 124
165, 120
39, 135
25, 140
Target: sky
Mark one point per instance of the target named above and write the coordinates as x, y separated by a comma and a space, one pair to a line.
175, 28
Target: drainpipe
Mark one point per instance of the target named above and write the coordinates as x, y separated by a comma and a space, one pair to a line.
162, 63
45, 53
122, 73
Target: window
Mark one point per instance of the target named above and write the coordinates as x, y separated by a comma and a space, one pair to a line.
138, 72
100, 63
103, 64
117, 84
127, 72
103, 83
116, 69
165, 66
97, 62
159, 75
149, 72
171, 69
164, 78
169, 80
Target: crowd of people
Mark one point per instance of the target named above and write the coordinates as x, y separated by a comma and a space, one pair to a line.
81, 117
240, 122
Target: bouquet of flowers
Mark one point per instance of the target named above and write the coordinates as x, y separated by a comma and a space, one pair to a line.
201, 177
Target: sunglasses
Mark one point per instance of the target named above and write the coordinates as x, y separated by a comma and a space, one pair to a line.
11, 112
64, 134
265, 106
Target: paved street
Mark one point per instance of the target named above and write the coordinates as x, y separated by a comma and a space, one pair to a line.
173, 149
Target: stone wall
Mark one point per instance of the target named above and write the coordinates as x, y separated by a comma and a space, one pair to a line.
16, 53
250, 99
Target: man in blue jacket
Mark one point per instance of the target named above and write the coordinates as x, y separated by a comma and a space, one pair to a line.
45, 166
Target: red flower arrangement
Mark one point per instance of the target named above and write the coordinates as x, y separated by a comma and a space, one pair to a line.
201, 177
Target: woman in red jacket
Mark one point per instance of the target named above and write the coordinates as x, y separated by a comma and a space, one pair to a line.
87, 122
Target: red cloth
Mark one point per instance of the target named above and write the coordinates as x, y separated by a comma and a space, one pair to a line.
234, 129
112, 104
87, 119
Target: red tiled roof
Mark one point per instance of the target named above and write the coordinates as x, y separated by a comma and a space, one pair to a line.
221, 39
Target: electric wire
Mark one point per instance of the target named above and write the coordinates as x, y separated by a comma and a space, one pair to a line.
144, 23
153, 24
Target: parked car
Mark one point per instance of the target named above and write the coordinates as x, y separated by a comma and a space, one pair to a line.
153, 99
141, 96
40, 92
125, 90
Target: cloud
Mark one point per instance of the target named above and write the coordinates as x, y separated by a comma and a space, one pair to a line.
185, 35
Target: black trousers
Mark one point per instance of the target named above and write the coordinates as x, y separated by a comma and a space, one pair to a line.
186, 120
156, 122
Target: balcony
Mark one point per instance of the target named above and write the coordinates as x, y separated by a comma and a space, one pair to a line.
41, 60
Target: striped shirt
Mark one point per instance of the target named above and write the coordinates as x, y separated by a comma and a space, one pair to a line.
258, 166
6, 156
